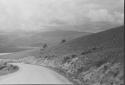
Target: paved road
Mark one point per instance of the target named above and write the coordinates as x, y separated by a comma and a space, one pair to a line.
32, 74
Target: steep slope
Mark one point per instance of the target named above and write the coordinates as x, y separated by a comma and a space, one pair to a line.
112, 38
96, 59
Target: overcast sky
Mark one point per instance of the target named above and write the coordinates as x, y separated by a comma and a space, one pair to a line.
81, 15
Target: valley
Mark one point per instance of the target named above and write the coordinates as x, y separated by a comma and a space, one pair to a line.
95, 59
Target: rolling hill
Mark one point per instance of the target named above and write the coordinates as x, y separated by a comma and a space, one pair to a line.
19, 41
95, 59
112, 38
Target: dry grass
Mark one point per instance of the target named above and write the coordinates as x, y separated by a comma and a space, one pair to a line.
85, 59
95, 59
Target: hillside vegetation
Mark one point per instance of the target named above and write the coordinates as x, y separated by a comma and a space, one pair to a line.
112, 38
95, 59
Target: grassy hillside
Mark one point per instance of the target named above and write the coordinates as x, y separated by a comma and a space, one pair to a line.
95, 59
112, 38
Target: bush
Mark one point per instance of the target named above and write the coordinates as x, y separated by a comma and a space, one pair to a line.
2, 67
63, 41
15, 67
73, 56
86, 52
45, 46
65, 59
99, 63
79, 70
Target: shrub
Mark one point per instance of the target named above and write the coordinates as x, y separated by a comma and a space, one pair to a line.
65, 59
86, 52
2, 67
15, 67
63, 41
45, 46
79, 70
73, 56
99, 63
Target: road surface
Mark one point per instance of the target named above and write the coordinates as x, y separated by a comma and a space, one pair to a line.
32, 74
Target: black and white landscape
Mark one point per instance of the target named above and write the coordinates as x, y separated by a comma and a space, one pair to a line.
75, 42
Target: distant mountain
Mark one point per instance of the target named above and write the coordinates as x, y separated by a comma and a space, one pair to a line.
16, 41
55, 37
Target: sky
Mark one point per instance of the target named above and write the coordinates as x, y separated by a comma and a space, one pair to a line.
78, 15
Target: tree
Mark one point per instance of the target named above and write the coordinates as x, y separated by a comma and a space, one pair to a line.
45, 46
63, 41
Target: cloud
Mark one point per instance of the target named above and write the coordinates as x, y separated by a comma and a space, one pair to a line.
103, 15
100, 15
119, 17
33, 14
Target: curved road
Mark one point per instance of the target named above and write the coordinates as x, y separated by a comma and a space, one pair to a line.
32, 74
